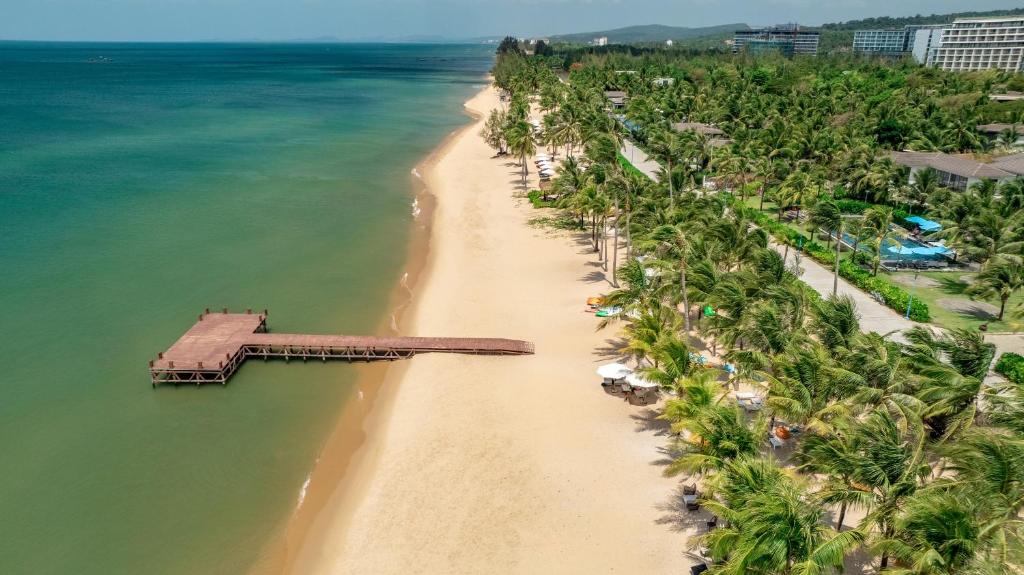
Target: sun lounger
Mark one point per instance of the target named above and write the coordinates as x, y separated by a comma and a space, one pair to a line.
690, 497
775, 442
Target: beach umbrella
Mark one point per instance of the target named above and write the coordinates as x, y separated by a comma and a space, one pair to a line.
614, 371
635, 380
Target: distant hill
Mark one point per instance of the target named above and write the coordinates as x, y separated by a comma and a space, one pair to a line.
891, 22
651, 33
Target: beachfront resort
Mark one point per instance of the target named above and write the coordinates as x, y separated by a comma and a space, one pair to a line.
813, 272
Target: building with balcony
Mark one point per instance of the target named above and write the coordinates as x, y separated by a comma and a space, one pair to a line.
981, 44
789, 40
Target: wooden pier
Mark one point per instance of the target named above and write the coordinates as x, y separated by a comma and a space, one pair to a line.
215, 347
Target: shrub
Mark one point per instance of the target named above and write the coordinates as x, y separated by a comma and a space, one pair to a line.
1011, 366
536, 198
894, 296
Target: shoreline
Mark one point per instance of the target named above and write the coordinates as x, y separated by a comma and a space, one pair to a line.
477, 464
359, 419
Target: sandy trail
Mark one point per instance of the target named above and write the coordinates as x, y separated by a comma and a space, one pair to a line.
507, 464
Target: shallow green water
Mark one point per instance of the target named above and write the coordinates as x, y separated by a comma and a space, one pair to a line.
140, 184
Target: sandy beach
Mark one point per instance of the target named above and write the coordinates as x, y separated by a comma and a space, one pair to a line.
501, 464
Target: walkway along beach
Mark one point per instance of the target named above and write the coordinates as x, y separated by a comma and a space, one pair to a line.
478, 465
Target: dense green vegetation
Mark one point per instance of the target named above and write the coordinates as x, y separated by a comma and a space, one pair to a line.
906, 433
1012, 366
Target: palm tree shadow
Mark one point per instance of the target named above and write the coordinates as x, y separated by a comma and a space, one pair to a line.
647, 420
952, 285
611, 350
594, 277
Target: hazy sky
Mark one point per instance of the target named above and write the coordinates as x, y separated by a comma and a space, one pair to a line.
355, 19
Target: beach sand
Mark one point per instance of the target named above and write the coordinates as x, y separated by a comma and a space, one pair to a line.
502, 464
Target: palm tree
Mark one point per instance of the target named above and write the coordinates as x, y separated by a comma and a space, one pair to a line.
673, 242
521, 143
889, 465
773, 525
665, 147
836, 321
878, 219
711, 437
696, 392
999, 279
494, 131
671, 362
630, 186
926, 183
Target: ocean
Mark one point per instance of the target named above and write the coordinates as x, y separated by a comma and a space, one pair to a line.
143, 183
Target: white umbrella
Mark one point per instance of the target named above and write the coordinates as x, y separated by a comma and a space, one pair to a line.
614, 371
635, 380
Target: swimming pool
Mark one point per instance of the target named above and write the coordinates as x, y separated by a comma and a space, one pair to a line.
898, 248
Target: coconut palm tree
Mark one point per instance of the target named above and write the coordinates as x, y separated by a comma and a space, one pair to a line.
773, 525
713, 436
836, 321
999, 279
878, 219
672, 363
521, 143
665, 146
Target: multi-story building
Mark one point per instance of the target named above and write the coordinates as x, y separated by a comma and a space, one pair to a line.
981, 44
882, 42
790, 40
895, 42
926, 39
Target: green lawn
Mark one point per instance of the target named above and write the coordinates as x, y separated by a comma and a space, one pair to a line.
948, 305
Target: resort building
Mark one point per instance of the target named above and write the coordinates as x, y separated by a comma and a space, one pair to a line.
897, 42
789, 40
616, 98
714, 134
981, 44
880, 42
993, 131
1013, 164
958, 172
602, 41
926, 39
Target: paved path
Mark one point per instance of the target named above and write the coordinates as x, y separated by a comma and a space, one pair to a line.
639, 159
873, 315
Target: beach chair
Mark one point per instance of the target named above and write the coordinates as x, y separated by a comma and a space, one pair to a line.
775, 442
690, 496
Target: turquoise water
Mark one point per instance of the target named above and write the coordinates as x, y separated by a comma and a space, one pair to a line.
140, 184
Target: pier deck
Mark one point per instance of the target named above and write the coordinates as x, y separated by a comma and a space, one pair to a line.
214, 348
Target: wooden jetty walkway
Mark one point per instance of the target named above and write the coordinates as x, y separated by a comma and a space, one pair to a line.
214, 348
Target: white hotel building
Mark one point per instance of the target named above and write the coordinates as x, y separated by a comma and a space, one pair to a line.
980, 44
